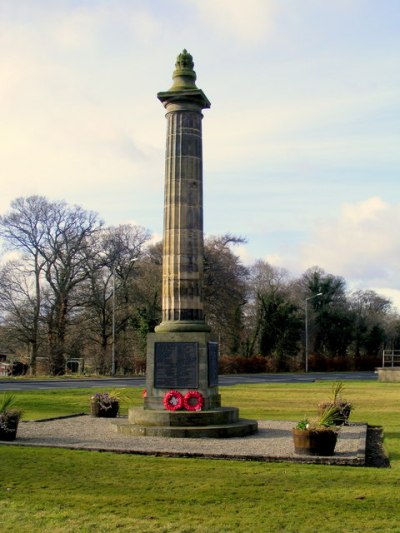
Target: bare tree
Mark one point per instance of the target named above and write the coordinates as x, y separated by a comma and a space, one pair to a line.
109, 295
66, 251
224, 291
18, 306
54, 239
23, 229
275, 325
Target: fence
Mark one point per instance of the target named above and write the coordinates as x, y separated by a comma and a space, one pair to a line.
391, 358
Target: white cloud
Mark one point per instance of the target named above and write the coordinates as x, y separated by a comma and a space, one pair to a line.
243, 252
392, 294
361, 244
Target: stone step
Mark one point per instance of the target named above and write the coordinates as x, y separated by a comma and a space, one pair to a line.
241, 428
157, 417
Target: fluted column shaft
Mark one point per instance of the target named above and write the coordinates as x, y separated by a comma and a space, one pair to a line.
183, 216
182, 286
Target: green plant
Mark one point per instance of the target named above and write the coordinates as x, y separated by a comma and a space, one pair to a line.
9, 416
304, 423
342, 408
337, 388
7, 402
323, 421
106, 399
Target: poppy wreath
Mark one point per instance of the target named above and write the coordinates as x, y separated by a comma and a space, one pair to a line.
173, 400
193, 401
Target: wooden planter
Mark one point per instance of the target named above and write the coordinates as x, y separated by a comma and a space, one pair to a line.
314, 442
98, 410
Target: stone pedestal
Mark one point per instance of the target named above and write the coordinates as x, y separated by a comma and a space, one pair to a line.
218, 423
181, 361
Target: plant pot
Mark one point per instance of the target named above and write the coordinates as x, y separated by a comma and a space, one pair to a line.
314, 442
104, 411
8, 431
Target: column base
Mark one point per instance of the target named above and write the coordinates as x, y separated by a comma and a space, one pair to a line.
172, 326
219, 423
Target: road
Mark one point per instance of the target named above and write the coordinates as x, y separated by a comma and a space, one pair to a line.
224, 380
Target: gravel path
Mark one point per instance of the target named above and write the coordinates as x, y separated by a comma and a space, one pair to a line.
273, 442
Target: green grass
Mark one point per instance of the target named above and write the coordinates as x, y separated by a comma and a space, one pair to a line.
75, 491
53, 403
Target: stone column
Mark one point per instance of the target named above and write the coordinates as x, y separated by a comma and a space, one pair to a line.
182, 284
182, 357
181, 353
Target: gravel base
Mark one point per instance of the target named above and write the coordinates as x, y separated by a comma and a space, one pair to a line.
273, 442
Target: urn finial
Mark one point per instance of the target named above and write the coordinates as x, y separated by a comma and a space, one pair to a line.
184, 76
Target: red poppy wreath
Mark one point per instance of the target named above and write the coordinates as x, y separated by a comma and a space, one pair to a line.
173, 400
193, 401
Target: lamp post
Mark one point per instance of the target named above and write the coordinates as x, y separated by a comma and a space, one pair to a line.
306, 307
113, 323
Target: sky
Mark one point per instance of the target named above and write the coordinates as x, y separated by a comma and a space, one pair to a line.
301, 145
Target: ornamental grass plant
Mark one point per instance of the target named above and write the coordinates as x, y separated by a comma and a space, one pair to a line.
324, 421
341, 407
9, 417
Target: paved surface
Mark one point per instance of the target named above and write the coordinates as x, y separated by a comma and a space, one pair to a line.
273, 442
224, 380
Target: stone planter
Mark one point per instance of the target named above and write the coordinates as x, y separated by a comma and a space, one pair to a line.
314, 442
104, 410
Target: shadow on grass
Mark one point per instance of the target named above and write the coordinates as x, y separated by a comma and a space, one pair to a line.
393, 455
392, 435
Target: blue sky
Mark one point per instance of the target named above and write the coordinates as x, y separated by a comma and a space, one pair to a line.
301, 144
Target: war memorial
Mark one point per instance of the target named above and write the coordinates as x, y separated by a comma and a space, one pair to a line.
182, 398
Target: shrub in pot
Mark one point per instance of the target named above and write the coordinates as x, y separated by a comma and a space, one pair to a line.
316, 436
341, 408
9, 418
104, 405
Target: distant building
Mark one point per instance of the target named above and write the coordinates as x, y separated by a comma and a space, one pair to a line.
6, 357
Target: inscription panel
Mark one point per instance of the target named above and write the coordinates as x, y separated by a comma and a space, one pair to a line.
176, 365
212, 364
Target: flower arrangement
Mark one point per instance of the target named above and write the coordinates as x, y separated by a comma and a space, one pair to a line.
325, 420
316, 436
104, 404
191, 401
9, 418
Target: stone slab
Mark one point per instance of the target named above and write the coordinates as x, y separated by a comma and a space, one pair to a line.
391, 375
241, 428
152, 417
272, 443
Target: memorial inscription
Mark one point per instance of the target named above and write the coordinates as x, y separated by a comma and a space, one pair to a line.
212, 364
176, 365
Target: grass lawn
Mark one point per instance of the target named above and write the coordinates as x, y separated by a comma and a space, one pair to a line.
75, 491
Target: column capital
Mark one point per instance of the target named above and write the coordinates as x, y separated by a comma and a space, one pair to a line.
184, 89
